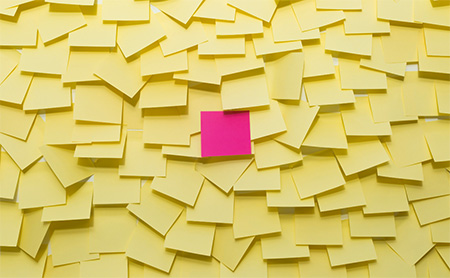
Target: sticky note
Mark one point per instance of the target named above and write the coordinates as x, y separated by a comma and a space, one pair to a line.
107, 264
371, 225
254, 179
103, 150
282, 269
378, 62
69, 270
33, 232
319, 264
156, 211
327, 132
432, 36
270, 153
358, 78
166, 126
220, 45
427, 13
431, 64
196, 238
266, 122
216, 9
288, 195
225, 133
401, 44
80, 68
317, 61
436, 134
17, 262
338, 41
90, 132
389, 263
154, 62
390, 170
20, 33
11, 219
251, 264
434, 184
9, 176
194, 150
425, 209
439, 231
419, 98
348, 196
442, 95
243, 24
264, 11
264, 44
201, 69
47, 93
396, 10
236, 64
10, 58
129, 10
14, 88
16, 122
132, 115
365, 21
310, 18
179, 9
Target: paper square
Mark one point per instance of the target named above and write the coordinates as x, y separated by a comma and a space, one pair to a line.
225, 133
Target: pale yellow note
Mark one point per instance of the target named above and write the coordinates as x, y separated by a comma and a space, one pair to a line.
431, 65
132, 115
376, 225
111, 229
296, 131
96, 33
107, 264
47, 93
228, 250
182, 182
389, 264
432, 210
426, 12
323, 228
216, 9
251, 265
419, 97
365, 21
154, 62
327, 90
264, 44
141, 161
178, 9
338, 41
80, 67
348, 196
9, 176
16, 263
145, 239
14, 88
358, 78
263, 10
10, 58
69, 270
243, 24
442, 95
20, 33
11, 222
391, 170
33, 232
15, 122
266, 122
402, 43
195, 238
283, 246
444, 252
125, 10
310, 18
201, 69
437, 41
377, 60
327, 131
121, 74
236, 64
437, 266
435, 183
396, 10
156, 211
319, 266
254, 179
282, 269
39, 187
270, 153
437, 134
317, 61
133, 38
284, 75
212, 206
252, 217
103, 150
220, 45
383, 196
194, 150
245, 90
288, 195
89, 132
167, 126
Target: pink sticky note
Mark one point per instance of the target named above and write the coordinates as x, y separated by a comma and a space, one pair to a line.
225, 133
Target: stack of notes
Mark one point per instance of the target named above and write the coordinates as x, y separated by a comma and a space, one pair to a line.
225, 138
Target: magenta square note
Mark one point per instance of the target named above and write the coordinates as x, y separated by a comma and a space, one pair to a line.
225, 133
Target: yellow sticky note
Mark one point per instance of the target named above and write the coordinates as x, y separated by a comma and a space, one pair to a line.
265, 122
440, 231
365, 21
141, 161
11, 221
389, 106
245, 90
80, 67
69, 270
444, 252
103, 150
283, 246
195, 238
408, 145
310, 18
383, 196
327, 132
179, 9
20, 33
16, 122
96, 33
284, 75
77, 207
133, 38
442, 95
223, 173
437, 41
47, 93
121, 74
153, 62
377, 60
264, 44
10, 59
402, 43
428, 13
435, 183
358, 120
286, 28
156, 211
353, 250
419, 97
106, 265
391, 170
252, 217
109, 188
317, 61
74, 236
87, 132
201, 69
431, 64
9, 176
251, 265
338, 41
323, 228
14, 88
254, 179
228, 250
216, 9
180, 37
409, 230
288, 195
39, 187
296, 131
327, 91
270, 153
243, 24
437, 134
370, 148
167, 127
396, 10
263, 10
212, 206
319, 266
16, 263
220, 45
111, 229
376, 225
235, 64
128, 10
182, 182
194, 150
388, 263
358, 78
47, 59
132, 115
432, 210
33, 232
282, 269
348, 196
144, 239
